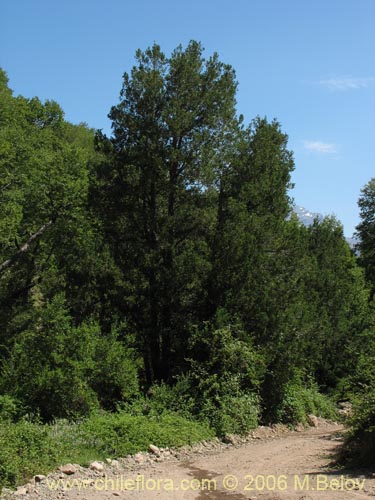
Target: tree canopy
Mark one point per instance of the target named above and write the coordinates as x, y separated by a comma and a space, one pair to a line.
163, 261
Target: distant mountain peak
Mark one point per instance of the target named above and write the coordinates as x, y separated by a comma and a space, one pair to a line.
307, 218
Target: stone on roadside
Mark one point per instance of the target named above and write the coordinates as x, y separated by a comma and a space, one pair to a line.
5, 492
68, 469
313, 420
230, 439
39, 478
97, 466
30, 487
21, 491
154, 449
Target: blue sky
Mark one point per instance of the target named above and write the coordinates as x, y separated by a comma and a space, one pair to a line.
310, 64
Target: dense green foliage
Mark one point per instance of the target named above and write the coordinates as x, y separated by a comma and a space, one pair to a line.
359, 448
299, 402
161, 269
60, 370
366, 230
28, 448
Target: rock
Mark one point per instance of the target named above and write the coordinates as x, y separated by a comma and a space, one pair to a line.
30, 488
21, 491
108, 460
230, 439
116, 493
115, 463
313, 420
345, 409
139, 458
97, 466
39, 478
6, 492
154, 449
68, 469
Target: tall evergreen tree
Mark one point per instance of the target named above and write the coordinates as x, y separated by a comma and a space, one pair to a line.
156, 191
253, 205
366, 231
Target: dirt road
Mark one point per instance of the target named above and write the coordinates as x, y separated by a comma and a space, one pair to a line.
292, 466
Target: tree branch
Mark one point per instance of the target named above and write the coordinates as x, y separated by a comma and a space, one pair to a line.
3, 188
26, 246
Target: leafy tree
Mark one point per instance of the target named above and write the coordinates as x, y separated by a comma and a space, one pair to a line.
253, 205
156, 190
172, 237
43, 198
338, 290
366, 231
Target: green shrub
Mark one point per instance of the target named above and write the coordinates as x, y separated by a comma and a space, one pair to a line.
58, 370
10, 409
114, 377
229, 414
224, 378
362, 378
25, 449
220, 404
359, 448
226, 351
120, 434
298, 402
28, 448
163, 398
220, 388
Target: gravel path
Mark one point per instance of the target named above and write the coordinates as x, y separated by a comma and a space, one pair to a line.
270, 464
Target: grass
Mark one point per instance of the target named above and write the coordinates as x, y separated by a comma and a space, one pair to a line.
28, 448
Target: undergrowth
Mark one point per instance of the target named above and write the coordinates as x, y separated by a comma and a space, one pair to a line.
29, 448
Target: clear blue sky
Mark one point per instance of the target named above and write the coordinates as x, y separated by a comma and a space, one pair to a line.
310, 64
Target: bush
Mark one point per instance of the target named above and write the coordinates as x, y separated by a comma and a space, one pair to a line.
298, 402
163, 398
359, 448
229, 413
114, 377
10, 409
25, 449
220, 404
58, 370
224, 378
219, 389
28, 448
120, 434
